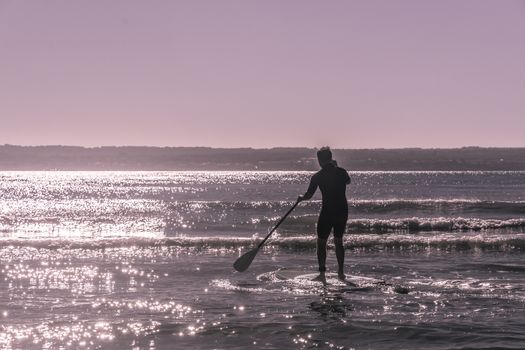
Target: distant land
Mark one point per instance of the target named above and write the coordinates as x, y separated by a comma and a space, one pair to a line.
203, 158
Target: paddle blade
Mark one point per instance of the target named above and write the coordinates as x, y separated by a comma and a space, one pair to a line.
244, 261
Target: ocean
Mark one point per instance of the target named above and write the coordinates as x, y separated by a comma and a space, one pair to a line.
143, 260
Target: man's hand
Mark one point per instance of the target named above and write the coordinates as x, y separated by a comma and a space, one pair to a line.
304, 197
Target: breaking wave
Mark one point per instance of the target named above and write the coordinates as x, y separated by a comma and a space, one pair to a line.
433, 224
415, 224
448, 241
369, 206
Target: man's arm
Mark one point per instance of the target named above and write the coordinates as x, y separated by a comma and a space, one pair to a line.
345, 175
310, 191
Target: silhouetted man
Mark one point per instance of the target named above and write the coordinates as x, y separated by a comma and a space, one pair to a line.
332, 181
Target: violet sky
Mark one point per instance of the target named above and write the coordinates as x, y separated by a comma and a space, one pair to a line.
351, 74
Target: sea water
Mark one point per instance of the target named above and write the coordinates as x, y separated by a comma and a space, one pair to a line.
143, 260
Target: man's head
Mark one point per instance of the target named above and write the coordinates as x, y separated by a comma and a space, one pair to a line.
324, 156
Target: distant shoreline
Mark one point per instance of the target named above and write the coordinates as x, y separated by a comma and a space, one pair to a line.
204, 158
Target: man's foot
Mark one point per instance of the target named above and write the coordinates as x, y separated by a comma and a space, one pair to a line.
341, 276
321, 278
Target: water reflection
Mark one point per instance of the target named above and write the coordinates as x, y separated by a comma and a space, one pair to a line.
88, 298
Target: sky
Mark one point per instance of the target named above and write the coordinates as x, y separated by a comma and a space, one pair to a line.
268, 73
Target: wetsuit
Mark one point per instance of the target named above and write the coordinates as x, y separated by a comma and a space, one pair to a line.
332, 181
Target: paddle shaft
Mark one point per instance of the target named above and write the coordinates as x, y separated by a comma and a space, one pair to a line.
277, 225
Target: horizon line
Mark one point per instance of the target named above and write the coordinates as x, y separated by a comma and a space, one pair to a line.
265, 148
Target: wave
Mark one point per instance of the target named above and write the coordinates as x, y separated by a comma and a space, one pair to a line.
103, 227
439, 205
414, 224
498, 267
296, 243
433, 224
368, 206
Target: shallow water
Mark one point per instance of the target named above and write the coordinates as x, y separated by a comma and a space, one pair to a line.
144, 261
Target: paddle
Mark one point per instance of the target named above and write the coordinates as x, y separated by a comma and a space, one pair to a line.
244, 261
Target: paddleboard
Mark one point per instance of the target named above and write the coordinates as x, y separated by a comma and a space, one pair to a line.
303, 277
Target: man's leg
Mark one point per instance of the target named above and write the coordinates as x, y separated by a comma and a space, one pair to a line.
339, 230
323, 231
321, 254
340, 254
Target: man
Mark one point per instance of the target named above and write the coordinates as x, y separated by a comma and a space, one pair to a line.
332, 181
